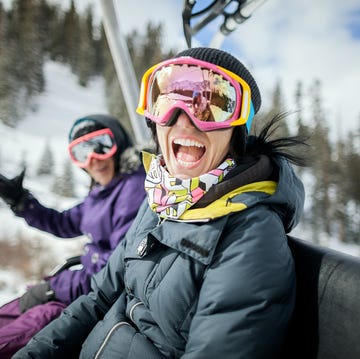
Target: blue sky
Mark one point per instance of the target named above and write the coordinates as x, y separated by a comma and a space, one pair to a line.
353, 24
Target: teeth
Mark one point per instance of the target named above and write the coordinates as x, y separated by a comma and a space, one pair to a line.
187, 142
185, 164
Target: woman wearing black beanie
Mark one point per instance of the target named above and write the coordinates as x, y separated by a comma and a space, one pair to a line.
205, 271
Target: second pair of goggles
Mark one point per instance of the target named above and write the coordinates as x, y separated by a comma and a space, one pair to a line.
98, 144
213, 97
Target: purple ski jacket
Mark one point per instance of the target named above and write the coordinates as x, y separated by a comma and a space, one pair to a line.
104, 217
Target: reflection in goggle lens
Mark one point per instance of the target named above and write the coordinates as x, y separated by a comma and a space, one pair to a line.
208, 95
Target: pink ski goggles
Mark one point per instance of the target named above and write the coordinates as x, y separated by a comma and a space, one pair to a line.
98, 144
213, 97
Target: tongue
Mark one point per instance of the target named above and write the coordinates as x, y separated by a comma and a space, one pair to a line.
189, 153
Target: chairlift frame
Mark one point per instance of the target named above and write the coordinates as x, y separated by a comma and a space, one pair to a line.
124, 68
232, 18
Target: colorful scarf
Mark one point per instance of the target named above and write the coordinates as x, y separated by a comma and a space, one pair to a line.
170, 197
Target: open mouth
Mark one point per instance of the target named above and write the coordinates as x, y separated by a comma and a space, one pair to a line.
188, 152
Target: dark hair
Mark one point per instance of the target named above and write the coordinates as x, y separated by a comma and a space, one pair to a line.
266, 143
238, 143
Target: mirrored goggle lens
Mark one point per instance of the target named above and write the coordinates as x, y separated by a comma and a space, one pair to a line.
208, 94
101, 145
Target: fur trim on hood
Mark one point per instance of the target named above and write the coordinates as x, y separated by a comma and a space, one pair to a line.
130, 160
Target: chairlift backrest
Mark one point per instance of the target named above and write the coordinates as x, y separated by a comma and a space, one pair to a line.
326, 321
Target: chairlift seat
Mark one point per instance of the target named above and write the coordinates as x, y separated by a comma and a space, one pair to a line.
326, 320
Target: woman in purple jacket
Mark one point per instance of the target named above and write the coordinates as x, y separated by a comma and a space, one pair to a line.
99, 145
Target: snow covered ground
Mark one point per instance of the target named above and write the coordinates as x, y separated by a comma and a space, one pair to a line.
56, 109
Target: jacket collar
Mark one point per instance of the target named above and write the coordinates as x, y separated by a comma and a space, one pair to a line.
198, 242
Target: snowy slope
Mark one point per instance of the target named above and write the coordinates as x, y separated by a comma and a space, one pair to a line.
56, 109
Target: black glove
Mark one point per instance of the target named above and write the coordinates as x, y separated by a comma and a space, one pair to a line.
12, 190
38, 294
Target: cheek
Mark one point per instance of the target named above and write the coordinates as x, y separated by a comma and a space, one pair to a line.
162, 136
220, 143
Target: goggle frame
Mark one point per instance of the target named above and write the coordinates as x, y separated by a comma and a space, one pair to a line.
242, 114
92, 154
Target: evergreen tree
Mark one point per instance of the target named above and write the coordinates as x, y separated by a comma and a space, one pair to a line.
58, 51
346, 175
25, 32
47, 22
46, 164
276, 107
353, 189
87, 55
341, 197
353, 166
322, 166
3, 21
146, 50
21, 60
9, 113
71, 40
64, 183
303, 131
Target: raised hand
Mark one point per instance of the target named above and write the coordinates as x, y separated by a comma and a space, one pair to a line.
12, 190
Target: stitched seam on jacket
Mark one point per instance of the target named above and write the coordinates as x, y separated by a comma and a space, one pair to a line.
97, 355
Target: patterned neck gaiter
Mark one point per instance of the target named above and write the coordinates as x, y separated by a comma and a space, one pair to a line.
170, 197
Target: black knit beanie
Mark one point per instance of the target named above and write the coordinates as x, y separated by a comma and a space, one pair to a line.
228, 62
82, 127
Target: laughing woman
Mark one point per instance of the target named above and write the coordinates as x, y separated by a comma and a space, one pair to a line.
205, 270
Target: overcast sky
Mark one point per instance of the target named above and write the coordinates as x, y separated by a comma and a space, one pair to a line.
284, 40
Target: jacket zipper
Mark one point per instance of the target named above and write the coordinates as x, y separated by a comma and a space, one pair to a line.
118, 325
132, 311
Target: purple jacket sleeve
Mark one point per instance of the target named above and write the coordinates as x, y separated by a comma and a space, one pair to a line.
64, 224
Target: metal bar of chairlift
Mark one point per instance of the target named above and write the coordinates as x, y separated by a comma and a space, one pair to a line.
124, 69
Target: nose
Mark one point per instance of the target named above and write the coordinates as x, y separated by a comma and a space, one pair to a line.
93, 160
183, 120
